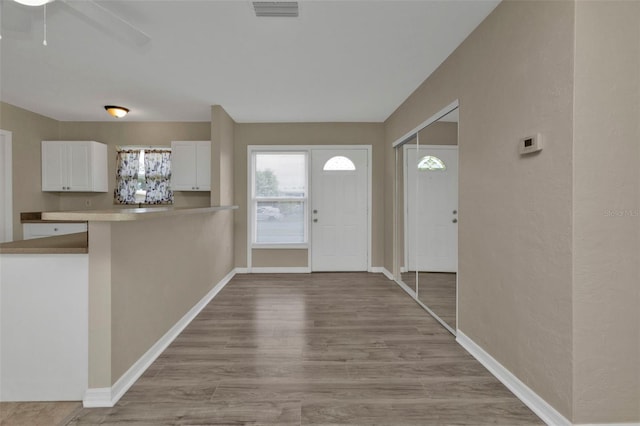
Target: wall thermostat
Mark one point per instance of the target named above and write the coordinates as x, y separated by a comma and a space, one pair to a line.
530, 144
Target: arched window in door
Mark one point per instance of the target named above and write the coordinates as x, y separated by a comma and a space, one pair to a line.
339, 163
430, 163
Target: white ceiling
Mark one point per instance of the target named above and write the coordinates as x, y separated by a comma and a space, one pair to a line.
339, 61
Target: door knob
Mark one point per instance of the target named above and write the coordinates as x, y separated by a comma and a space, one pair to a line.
455, 221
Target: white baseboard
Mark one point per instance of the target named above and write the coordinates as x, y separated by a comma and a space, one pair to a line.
242, 270
382, 270
280, 270
542, 408
607, 424
108, 397
407, 289
97, 397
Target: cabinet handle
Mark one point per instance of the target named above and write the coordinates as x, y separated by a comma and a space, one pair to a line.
55, 229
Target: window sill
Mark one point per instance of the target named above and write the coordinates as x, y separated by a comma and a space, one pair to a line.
280, 246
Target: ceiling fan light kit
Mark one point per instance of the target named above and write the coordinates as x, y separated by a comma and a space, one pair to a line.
116, 111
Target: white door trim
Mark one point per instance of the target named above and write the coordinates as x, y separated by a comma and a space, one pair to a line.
308, 149
8, 189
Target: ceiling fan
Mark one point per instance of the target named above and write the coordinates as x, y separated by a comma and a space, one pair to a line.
90, 11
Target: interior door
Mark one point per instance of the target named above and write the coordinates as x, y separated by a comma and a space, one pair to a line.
432, 208
339, 210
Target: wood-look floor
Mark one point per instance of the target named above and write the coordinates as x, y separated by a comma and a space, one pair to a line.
332, 348
37, 413
437, 290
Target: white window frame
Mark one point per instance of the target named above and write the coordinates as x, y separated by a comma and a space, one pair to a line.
252, 201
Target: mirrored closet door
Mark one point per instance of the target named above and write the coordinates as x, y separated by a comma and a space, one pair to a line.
427, 207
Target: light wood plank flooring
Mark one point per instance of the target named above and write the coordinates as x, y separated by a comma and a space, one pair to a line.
437, 290
331, 348
37, 413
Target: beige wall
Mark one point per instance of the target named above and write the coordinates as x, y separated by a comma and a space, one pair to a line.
158, 276
28, 130
144, 276
606, 348
283, 258
222, 157
515, 212
305, 134
439, 133
122, 133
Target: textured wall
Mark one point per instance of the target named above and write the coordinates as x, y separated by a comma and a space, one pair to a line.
28, 130
160, 268
606, 213
515, 212
306, 134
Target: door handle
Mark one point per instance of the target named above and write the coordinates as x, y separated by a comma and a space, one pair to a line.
455, 221
315, 212
455, 212
315, 220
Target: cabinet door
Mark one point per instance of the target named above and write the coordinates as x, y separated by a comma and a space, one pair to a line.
183, 166
41, 230
54, 165
79, 155
203, 166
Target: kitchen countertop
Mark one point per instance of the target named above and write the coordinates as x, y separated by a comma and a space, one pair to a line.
59, 244
128, 214
36, 217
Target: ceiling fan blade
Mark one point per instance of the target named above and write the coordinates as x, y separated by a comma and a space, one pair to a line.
108, 21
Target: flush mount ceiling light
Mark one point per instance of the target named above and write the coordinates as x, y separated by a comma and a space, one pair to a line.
33, 2
280, 9
116, 111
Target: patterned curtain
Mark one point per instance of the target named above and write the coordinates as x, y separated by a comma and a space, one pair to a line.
157, 166
126, 177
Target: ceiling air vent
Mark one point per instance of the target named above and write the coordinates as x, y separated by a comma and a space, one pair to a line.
287, 9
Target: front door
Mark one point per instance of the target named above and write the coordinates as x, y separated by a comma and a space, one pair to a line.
432, 208
339, 210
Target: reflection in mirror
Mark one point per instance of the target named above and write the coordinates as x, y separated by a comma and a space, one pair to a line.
402, 252
432, 210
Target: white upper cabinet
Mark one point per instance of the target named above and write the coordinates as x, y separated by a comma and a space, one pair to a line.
74, 166
191, 165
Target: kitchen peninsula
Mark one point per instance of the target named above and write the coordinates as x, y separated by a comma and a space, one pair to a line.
119, 297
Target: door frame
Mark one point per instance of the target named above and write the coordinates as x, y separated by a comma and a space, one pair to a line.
406, 148
309, 150
368, 149
8, 183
